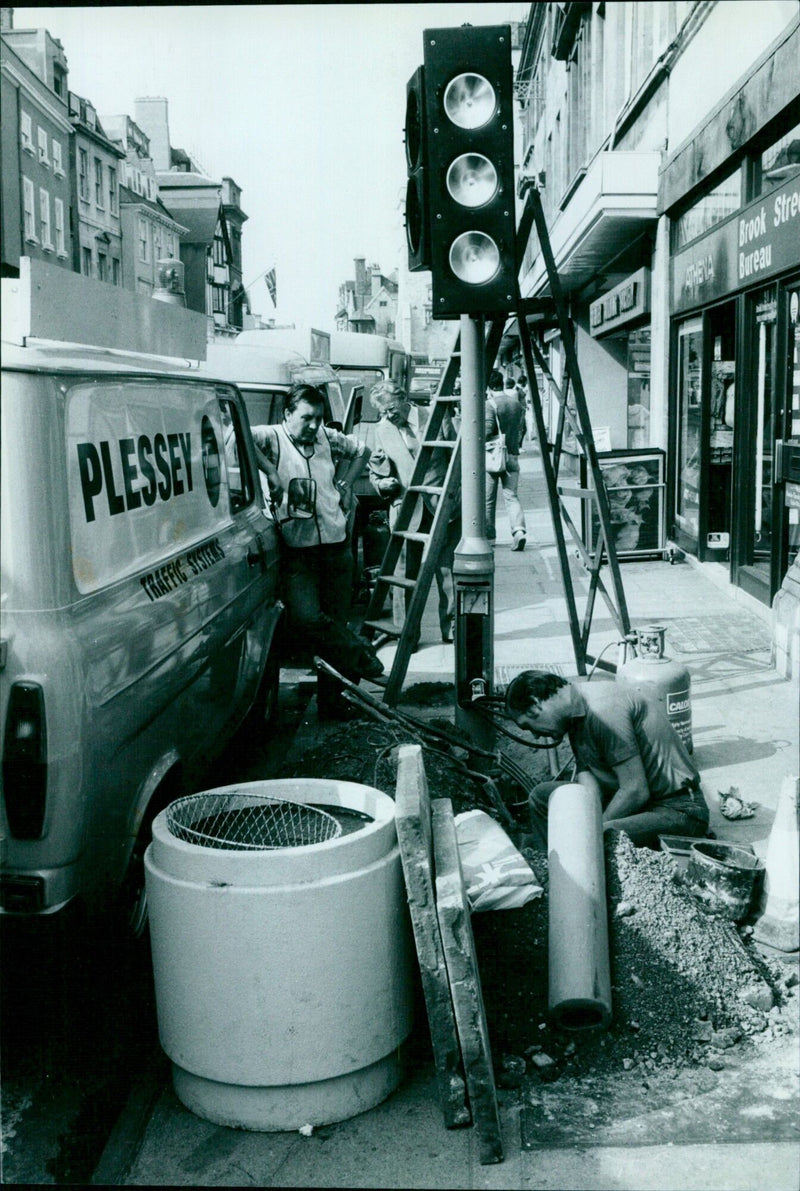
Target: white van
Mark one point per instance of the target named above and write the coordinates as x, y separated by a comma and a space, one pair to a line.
138, 604
265, 372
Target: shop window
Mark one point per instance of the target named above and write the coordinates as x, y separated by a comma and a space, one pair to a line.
639, 389
779, 162
687, 452
761, 442
721, 328
711, 209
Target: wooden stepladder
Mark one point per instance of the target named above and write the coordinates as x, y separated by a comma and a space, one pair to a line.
443, 405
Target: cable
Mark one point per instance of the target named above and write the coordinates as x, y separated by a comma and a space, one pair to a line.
492, 719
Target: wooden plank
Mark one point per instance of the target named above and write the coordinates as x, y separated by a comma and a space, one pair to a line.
413, 818
453, 912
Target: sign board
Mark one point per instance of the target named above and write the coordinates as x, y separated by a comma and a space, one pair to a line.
792, 497
48, 302
621, 305
758, 242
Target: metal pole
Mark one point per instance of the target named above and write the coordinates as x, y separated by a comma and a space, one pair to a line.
473, 567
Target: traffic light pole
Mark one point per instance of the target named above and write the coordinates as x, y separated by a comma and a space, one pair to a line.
473, 567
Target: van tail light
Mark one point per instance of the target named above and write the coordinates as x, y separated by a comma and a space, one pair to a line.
25, 761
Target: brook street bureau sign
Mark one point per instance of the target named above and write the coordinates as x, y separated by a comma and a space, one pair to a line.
756, 243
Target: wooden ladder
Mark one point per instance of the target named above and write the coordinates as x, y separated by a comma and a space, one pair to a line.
391, 575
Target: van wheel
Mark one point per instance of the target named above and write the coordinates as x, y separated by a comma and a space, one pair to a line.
132, 903
261, 716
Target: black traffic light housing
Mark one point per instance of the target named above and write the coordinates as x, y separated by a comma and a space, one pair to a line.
468, 166
417, 213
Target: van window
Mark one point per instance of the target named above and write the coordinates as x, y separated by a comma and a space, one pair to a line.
240, 478
350, 377
264, 406
147, 472
398, 369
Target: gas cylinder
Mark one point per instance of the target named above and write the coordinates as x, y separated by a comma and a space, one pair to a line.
670, 681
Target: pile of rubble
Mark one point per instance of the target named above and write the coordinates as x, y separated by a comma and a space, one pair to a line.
686, 985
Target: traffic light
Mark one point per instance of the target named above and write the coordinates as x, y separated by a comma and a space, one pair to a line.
417, 216
467, 146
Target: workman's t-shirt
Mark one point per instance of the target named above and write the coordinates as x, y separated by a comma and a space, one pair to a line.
624, 721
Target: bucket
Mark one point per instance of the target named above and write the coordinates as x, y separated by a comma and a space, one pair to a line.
722, 877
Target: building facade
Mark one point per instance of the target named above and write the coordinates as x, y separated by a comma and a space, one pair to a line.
95, 167
235, 220
368, 302
149, 232
196, 202
665, 142
35, 192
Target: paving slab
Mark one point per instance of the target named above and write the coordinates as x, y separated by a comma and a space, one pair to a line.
452, 909
415, 836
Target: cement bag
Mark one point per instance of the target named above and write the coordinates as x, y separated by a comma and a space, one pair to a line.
496, 875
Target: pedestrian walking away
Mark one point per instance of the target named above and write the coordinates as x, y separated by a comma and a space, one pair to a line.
505, 415
310, 470
625, 749
396, 446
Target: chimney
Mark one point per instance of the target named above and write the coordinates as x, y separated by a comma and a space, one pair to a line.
375, 278
6, 19
152, 116
361, 281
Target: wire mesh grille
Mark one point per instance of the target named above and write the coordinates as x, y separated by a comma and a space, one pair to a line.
242, 822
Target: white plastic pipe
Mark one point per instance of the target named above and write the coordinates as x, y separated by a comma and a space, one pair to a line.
579, 974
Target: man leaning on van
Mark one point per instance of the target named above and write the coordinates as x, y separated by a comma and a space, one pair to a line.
311, 469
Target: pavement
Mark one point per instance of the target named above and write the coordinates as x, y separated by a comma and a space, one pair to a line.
745, 732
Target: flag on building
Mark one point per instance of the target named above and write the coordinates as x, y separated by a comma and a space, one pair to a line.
272, 285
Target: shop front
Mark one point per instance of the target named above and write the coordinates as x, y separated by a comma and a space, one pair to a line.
735, 390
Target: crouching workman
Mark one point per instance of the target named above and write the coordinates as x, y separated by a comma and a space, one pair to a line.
625, 748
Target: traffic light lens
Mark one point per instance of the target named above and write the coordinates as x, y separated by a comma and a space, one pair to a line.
472, 180
474, 258
413, 216
413, 131
470, 100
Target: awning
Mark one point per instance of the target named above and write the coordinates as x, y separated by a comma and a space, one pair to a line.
613, 204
